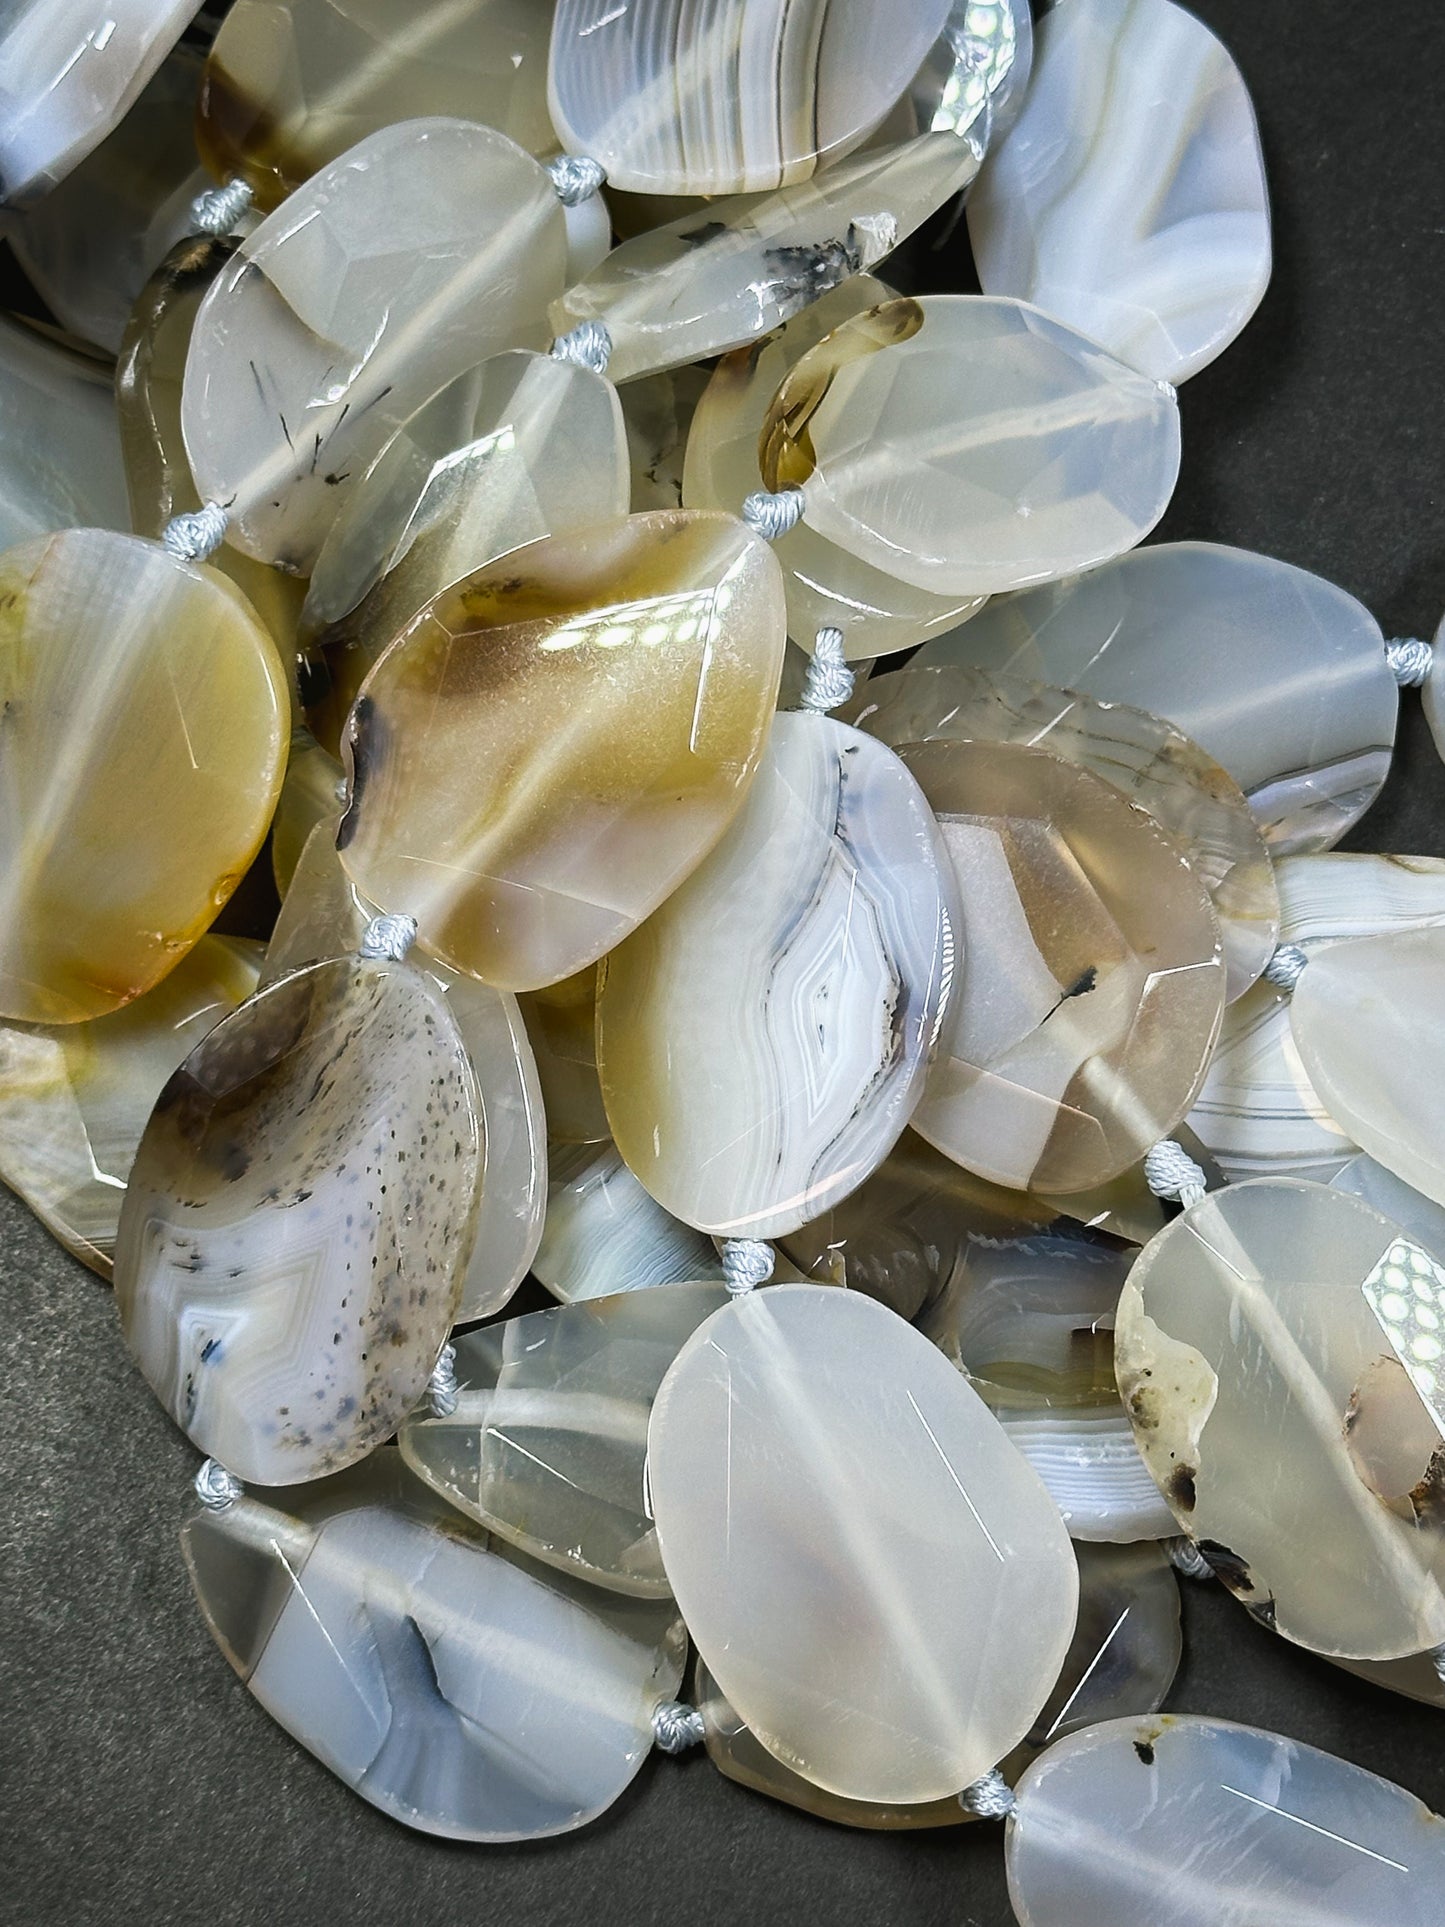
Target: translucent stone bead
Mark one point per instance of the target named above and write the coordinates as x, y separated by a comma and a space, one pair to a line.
74, 1098
827, 585
705, 283
970, 445
559, 740
1094, 979
1154, 764
68, 74
1420, 1218
658, 412
725, 97
604, 1234
1274, 672
62, 466
1432, 692
314, 790
763, 1038
548, 1443
325, 916
425, 248
446, 1684
1129, 200
561, 1022
1417, 1678
292, 84
1266, 1350
874, 1577
143, 724
1208, 1822
299, 1218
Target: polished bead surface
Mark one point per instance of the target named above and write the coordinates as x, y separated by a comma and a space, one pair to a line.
1093, 978
970, 445
314, 790
763, 1038
547, 1446
62, 466
1274, 672
1209, 1824
657, 413
557, 741
1420, 1218
446, 1684
875, 1578
561, 1022
1129, 199
74, 1098
604, 1234
1288, 1401
299, 1217
422, 250
143, 724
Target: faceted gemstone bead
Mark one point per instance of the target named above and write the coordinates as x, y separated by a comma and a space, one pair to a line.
68, 74
979, 65
1129, 200
1288, 1399
299, 1218
604, 1234
325, 916
62, 466
1093, 985
314, 789
875, 1578
547, 1446
826, 584
1208, 1822
290, 85
558, 740
425, 248
74, 1098
143, 722
561, 1022
763, 1038
969, 445
723, 97
1274, 672
1420, 1218
448, 1685
727, 275
1154, 764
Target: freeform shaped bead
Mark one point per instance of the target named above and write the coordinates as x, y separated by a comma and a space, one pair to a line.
425, 248
548, 1443
1274, 672
1129, 200
1420, 1218
561, 1021
888, 1614
1266, 1352
299, 1218
143, 722
558, 741
1210, 1822
763, 1038
970, 445
62, 465
74, 1098
446, 1684
657, 414
1093, 982
604, 1234
314, 789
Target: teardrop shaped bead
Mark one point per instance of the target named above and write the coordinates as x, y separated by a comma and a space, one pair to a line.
446, 1684
62, 465
1130, 200
143, 722
1274, 672
1264, 1352
970, 445
74, 1098
290, 85
1154, 764
299, 1219
1094, 979
324, 916
558, 741
1207, 1822
888, 1616
423, 249
561, 1022
763, 1038
604, 1234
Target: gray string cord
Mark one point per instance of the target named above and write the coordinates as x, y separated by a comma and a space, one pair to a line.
1409, 658
829, 681
589, 344
676, 1726
215, 1487
219, 208
746, 1262
991, 1797
441, 1387
1170, 1172
770, 515
1186, 1558
576, 178
388, 938
197, 534
1284, 967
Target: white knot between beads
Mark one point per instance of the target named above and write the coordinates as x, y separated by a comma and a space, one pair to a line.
441, 1389
829, 681
1186, 1558
219, 208
388, 938
746, 1262
991, 1798
576, 178
1409, 658
589, 344
216, 1488
771, 516
1285, 966
676, 1726
194, 536
1170, 1172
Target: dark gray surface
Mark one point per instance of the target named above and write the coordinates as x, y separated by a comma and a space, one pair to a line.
138, 1781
